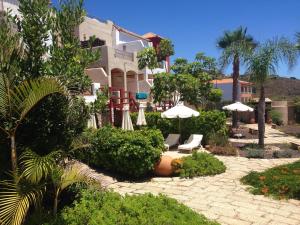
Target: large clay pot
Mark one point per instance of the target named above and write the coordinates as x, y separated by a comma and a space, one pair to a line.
163, 167
252, 120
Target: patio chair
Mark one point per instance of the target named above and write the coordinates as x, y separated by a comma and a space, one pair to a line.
172, 140
193, 142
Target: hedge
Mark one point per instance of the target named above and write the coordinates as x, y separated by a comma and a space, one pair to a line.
130, 153
208, 123
110, 208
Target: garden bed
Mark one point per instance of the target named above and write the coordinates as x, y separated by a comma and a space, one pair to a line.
279, 182
269, 152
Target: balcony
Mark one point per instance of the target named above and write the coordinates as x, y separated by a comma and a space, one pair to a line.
124, 55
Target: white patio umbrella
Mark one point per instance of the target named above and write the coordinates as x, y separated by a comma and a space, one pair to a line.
238, 107
126, 120
180, 111
141, 120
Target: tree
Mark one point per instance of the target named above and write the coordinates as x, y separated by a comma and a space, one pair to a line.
147, 58
197, 91
164, 50
236, 45
16, 101
68, 60
18, 98
28, 185
34, 27
191, 81
262, 64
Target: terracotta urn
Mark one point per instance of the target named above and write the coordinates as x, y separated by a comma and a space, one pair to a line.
163, 167
252, 120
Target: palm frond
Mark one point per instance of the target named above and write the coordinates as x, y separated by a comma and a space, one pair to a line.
4, 98
15, 202
74, 173
26, 95
266, 58
36, 167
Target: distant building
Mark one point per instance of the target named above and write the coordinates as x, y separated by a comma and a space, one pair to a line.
245, 89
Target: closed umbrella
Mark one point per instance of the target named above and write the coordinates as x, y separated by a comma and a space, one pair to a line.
92, 122
141, 120
180, 111
126, 120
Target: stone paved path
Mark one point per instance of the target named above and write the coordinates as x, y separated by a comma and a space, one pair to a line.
222, 197
273, 136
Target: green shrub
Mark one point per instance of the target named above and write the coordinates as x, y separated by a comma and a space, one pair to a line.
218, 139
282, 154
276, 117
207, 123
228, 150
255, 153
280, 182
200, 164
131, 153
109, 208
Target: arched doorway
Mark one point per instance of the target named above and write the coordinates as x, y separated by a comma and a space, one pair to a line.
117, 78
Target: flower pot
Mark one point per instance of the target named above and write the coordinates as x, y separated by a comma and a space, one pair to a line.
163, 167
252, 121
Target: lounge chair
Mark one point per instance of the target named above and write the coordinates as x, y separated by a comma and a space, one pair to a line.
193, 142
172, 140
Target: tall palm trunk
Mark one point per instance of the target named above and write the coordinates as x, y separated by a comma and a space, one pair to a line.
13, 152
235, 91
261, 117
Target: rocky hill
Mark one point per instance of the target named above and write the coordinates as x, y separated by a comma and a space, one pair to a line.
281, 88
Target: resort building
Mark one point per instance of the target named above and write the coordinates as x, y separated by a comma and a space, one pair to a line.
245, 89
118, 65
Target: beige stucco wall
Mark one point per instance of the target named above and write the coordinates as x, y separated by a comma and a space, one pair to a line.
93, 27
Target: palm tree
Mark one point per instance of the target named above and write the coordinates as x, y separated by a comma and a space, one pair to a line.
16, 101
28, 187
236, 45
263, 63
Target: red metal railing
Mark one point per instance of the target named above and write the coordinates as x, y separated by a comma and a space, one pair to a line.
116, 103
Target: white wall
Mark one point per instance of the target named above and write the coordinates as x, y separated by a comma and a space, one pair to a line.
133, 46
12, 5
227, 91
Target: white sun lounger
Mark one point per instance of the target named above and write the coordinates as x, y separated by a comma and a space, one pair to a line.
193, 142
172, 140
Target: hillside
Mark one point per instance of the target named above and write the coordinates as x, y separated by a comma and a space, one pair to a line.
281, 88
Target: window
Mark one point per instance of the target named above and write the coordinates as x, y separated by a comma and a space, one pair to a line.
96, 43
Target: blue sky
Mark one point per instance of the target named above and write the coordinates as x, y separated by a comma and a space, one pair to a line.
195, 25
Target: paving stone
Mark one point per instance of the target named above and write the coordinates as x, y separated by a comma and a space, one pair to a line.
233, 221
221, 197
